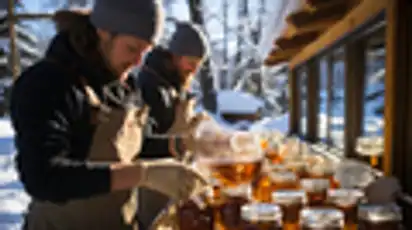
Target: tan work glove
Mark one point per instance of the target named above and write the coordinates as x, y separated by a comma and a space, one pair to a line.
172, 178
185, 123
185, 118
383, 190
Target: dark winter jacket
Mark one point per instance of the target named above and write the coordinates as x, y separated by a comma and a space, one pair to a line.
52, 121
158, 76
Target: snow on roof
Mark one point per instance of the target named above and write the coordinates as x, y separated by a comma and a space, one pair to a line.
280, 123
215, 117
230, 101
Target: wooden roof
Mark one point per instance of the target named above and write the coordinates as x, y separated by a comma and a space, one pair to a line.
313, 22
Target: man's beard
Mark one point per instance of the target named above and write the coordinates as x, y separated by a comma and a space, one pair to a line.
186, 79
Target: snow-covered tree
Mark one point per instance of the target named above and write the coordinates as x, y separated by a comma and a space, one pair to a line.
241, 34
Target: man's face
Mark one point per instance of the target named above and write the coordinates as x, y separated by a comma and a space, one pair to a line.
122, 52
187, 66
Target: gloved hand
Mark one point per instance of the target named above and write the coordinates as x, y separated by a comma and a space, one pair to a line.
185, 124
383, 190
172, 178
185, 118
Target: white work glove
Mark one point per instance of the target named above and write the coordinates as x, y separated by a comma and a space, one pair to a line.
172, 178
383, 190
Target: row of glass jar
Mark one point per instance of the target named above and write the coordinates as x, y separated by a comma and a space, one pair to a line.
232, 209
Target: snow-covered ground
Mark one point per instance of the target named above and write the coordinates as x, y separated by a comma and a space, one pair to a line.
13, 200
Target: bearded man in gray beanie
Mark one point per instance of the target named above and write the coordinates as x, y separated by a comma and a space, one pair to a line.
163, 80
76, 145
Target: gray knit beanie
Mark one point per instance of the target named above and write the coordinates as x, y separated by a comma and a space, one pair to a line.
140, 18
189, 40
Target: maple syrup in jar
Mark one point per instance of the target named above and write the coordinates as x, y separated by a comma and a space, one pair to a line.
272, 181
321, 219
324, 169
380, 217
297, 166
232, 172
316, 190
272, 152
291, 202
229, 211
196, 213
346, 200
261, 216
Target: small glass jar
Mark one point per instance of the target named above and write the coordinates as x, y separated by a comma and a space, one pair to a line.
261, 216
316, 190
380, 217
321, 219
291, 202
346, 200
272, 181
229, 211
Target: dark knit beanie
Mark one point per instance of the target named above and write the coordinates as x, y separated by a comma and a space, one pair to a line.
189, 40
141, 18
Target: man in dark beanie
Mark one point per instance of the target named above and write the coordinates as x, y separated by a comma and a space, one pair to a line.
163, 79
78, 133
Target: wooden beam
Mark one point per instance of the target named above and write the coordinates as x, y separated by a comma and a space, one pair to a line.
318, 3
315, 3
272, 62
331, 11
297, 40
277, 56
26, 16
355, 18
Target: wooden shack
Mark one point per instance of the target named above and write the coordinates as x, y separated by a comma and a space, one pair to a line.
351, 32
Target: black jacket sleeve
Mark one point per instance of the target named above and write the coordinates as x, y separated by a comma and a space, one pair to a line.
162, 115
43, 109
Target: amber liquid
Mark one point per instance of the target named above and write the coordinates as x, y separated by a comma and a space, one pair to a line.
317, 198
300, 171
291, 216
273, 156
351, 216
235, 173
332, 182
229, 213
264, 186
267, 225
388, 225
191, 216
327, 228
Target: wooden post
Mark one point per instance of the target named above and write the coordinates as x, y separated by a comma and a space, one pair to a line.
14, 62
329, 60
355, 63
312, 100
294, 106
397, 98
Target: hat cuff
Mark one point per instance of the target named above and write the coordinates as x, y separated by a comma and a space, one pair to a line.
182, 51
138, 25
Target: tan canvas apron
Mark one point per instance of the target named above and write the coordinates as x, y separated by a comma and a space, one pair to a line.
117, 138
